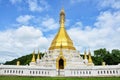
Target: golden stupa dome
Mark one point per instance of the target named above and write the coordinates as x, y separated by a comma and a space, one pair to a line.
62, 38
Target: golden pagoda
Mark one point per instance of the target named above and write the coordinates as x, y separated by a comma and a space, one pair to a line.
33, 57
62, 36
85, 55
89, 58
38, 56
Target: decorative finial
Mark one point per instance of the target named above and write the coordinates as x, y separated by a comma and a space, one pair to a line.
38, 56
33, 57
62, 11
85, 55
18, 63
62, 17
103, 63
89, 57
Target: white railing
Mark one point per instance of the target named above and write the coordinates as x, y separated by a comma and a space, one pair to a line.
42, 71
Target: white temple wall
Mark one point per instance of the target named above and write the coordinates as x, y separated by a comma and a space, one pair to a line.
92, 73
26, 71
97, 71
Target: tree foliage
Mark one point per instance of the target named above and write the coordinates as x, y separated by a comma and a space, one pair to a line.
102, 55
24, 60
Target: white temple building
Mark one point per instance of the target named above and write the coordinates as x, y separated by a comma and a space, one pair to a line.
61, 59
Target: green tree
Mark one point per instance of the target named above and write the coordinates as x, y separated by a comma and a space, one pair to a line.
24, 60
99, 55
116, 56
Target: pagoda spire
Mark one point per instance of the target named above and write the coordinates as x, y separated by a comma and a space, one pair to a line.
89, 57
62, 18
38, 56
33, 57
85, 55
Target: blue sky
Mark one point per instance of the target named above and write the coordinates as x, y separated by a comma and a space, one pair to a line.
26, 25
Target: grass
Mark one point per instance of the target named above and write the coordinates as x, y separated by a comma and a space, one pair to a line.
57, 78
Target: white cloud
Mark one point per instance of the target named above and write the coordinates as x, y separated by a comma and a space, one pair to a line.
115, 4
76, 1
37, 5
78, 24
24, 18
15, 1
21, 41
49, 24
104, 34
33, 5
